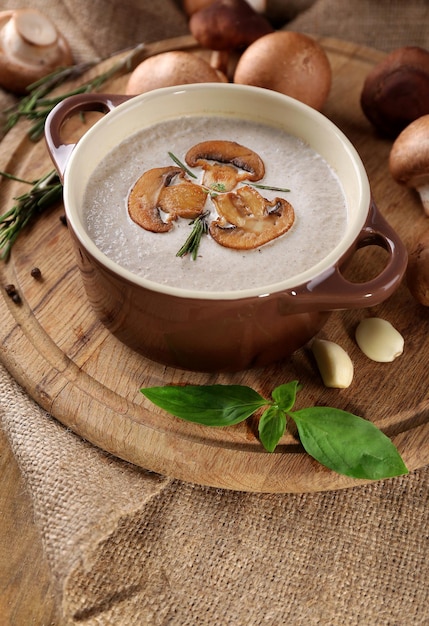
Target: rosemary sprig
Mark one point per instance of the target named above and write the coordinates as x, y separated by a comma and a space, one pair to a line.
219, 187
192, 243
179, 163
36, 106
269, 187
43, 193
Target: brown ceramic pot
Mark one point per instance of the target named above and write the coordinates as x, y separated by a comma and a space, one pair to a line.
231, 330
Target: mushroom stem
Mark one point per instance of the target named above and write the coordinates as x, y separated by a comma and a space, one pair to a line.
34, 28
219, 61
423, 192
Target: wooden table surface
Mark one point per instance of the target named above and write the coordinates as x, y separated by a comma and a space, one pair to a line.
82, 375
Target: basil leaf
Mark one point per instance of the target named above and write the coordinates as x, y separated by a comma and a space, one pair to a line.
347, 444
271, 428
211, 405
285, 395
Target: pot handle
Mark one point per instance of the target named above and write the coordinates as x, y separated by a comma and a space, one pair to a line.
332, 291
60, 152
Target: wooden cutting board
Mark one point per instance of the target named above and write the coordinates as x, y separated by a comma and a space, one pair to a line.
54, 346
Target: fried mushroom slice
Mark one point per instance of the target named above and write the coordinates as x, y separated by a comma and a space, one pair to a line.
227, 153
164, 189
247, 220
219, 177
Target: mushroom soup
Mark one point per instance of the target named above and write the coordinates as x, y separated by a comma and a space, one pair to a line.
296, 198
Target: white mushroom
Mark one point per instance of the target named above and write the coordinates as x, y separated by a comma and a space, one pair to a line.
30, 47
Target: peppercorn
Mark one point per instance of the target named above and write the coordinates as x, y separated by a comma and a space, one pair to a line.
10, 290
12, 293
36, 273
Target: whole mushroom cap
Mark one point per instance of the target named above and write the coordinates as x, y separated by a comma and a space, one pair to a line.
228, 25
192, 6
171, 68
30, 47
278, 12
289, 62
396, 90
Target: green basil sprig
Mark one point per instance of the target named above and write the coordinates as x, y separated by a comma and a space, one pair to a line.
341, 441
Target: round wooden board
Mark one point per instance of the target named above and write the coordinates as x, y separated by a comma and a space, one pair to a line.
72, 366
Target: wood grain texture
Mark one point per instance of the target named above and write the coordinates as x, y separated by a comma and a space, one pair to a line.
73, 367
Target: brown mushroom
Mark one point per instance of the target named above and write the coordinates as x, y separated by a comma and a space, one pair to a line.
278, 12
396, 91
247, 220
227, 25
409, 158
291, 63
164, 189
176, 67
192, 6
30, 47
230, 153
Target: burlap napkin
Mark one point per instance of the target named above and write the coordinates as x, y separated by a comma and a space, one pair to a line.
384, 24
127, 546
133, 548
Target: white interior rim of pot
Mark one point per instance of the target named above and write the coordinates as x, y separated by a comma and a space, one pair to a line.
257, 104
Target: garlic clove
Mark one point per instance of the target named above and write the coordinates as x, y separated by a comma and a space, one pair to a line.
334, 363
379, 340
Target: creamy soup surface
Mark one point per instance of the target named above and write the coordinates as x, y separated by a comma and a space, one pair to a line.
315, 194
